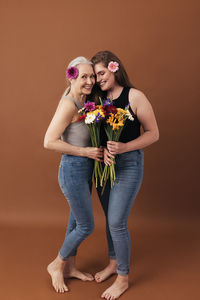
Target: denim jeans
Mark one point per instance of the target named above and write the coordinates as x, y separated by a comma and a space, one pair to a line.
117, 203
74, 178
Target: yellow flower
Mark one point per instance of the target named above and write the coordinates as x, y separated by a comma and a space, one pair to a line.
115, 126
110, 119
121, 111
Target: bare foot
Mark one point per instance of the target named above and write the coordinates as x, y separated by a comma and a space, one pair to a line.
117, 288
55, 270
71, 271
107, 272
74, 273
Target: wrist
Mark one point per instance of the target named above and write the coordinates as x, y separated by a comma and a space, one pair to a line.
84, 151
129, 147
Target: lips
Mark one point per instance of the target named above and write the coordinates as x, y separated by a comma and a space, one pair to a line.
88, 87
102, 83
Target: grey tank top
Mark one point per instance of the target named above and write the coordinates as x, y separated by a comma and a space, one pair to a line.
77, 133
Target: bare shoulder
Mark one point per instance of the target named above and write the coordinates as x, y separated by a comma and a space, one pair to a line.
137, 97
66, 104
65, 107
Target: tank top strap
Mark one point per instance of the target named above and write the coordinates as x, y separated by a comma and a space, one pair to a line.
123, 100
76, 103
125, 95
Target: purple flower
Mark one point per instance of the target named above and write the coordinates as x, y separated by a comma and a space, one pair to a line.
98, 118
72, 73
89, 106
107, 102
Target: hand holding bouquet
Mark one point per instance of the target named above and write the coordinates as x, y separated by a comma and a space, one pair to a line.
115, 119
93, 115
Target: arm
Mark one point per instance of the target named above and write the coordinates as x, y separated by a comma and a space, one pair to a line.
62, 118
144, 111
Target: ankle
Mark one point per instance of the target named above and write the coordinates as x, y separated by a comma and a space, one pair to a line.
113, 263
59, 261
122, 278
71, 263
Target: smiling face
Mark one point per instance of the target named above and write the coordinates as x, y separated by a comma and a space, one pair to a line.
83, 84
105, 78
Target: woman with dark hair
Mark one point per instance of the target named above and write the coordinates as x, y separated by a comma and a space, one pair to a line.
129, 159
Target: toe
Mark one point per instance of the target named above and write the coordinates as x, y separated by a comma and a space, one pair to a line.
88, 277
66, 288
106, 296
102, 296
97, 278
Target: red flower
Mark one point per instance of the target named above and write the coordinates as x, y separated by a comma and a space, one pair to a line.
109, 109
81, 118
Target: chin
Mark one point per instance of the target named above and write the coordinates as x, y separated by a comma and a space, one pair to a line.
103, 88
87, 92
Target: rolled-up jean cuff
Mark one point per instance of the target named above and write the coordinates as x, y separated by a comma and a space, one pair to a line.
122, 272
112, 256
63, 258
66, 258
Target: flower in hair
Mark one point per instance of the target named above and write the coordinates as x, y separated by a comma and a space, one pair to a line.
113, 66
72, 73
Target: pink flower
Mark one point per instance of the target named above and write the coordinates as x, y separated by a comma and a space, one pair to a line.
72, 73
113, 66
89, 106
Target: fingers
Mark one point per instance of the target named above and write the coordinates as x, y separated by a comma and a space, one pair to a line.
101, 160
98, 154
112, 152
112, 147
108, 162
107, 153
111, 143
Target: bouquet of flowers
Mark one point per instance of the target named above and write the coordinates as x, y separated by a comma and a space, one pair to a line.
93, 115
115, 119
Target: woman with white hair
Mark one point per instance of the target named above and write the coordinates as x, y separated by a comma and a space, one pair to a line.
70, 137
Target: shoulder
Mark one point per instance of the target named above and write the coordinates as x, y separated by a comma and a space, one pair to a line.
137, 96
66, 102
66, 105
138, 99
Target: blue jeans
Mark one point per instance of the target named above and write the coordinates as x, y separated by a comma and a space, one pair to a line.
117, 203
75, 174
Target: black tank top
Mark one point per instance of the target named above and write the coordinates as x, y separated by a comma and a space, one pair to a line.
131, 129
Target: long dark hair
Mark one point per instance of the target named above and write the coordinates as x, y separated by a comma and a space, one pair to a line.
105, 57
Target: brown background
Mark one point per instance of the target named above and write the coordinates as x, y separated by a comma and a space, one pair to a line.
158, 44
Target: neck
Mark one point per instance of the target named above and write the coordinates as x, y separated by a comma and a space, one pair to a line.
115, 91
80, 98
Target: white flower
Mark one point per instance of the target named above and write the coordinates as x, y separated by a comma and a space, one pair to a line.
90, 118
129, 115
80, 110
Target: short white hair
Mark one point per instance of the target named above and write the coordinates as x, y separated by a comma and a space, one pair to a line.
79, 60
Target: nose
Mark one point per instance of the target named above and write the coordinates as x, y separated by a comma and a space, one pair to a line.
98, 78
89, 80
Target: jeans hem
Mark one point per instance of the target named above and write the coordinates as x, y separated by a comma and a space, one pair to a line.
112, 256
63, 258
122, 272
